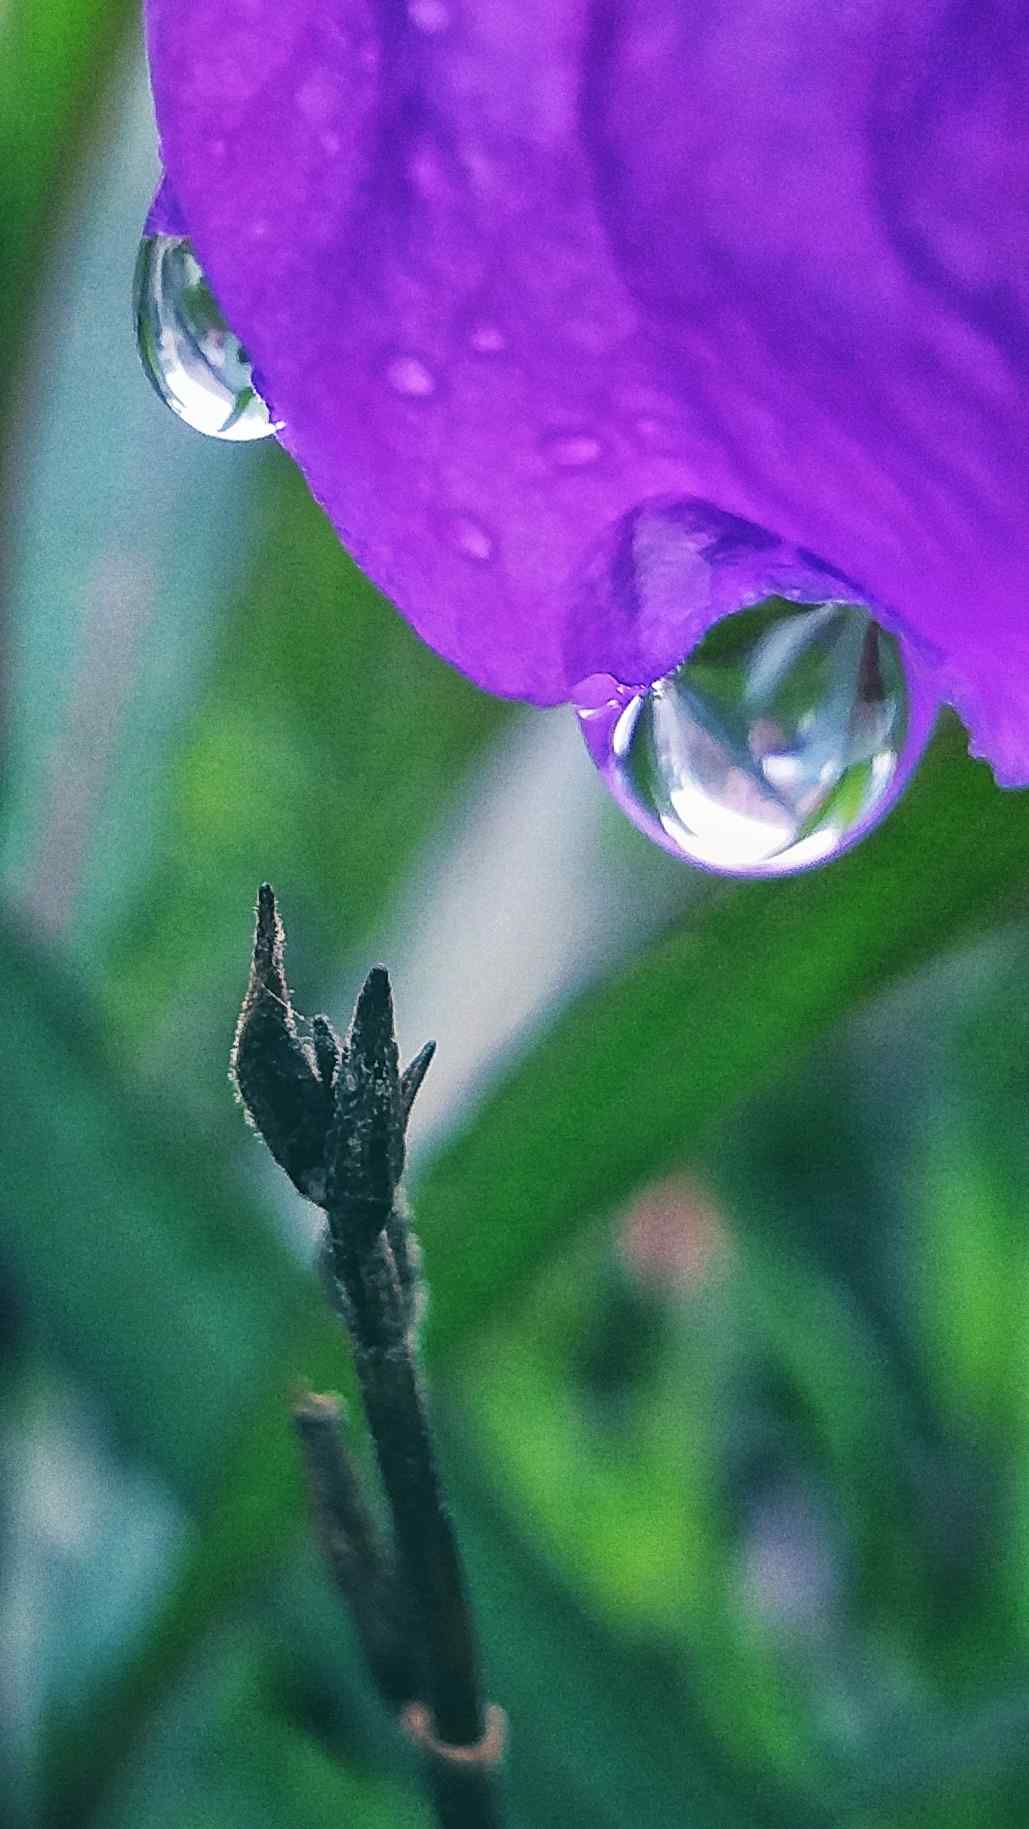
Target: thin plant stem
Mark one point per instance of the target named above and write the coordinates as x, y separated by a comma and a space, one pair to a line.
354, 1552
427, 1553
334, 1114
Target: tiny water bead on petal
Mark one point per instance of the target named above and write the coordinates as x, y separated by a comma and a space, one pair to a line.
780, 740
190, 356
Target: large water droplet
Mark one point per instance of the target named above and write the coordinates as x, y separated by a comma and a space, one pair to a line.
191, 357
776, 744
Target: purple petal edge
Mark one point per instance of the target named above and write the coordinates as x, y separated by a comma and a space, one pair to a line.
164, 217
513, 276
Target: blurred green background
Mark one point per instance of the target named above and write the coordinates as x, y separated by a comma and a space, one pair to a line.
723, 1188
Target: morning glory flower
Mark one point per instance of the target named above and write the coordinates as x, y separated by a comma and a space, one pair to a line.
591, 325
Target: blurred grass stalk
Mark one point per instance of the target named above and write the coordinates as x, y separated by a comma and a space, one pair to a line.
55, 61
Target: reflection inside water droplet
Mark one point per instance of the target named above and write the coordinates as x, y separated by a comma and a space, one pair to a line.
190, 356
779, 740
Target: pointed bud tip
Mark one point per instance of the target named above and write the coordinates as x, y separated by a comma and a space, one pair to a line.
366, 1147
284, 1087
268, 937
374, 1005
413, 1075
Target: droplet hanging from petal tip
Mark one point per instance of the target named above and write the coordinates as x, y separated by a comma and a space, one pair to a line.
777, 743
191, 358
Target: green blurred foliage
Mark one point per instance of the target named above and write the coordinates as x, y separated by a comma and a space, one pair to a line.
323, 744
729, 1258
51, 60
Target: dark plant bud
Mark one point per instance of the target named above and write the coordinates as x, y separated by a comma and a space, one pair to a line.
333, 1113
412, 1077
365, 1157
328, 1049
284, 1084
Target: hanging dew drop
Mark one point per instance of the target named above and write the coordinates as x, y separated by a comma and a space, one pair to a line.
775, 745
190, 356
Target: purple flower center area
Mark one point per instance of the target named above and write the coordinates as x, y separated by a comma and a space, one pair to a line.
522, 278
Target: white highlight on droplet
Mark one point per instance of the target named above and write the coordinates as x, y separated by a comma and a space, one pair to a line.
191, 357
773, 745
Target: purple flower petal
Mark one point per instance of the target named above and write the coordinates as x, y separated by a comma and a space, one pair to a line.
510, 272
164, 216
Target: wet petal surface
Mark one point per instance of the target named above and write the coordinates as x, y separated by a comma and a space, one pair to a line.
512, 274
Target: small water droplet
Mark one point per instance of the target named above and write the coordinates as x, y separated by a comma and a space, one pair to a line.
471, 538
429, 173
318, 99
572, 450
487, 340
409, 376
660, 434
190, 356
779, 740
430, 16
